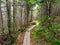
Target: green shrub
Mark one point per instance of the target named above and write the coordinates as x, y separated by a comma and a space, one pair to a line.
49, 31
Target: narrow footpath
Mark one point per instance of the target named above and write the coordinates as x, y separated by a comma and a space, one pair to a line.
26, 40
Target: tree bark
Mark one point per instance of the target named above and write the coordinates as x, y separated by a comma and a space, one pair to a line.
14, 15
31, 14
8, 5
28, 9
1, 20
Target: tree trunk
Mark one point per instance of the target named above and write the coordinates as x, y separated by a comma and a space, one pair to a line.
8, 5
1, 20
20, 15
31, 15
28, 9
14, 15
49, 11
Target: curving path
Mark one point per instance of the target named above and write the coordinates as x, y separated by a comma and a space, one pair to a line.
26, 40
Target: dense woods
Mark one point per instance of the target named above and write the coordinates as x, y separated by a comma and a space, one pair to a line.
29, 22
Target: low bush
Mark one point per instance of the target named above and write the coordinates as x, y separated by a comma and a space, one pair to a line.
52, 33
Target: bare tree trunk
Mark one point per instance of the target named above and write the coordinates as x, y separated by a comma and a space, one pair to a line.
31, 15
8, 5
14, 15
28, 9
49, 4
1, 20
21, 17
26, 14
21, 8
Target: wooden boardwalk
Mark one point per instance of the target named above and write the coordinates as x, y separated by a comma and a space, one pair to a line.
26, 40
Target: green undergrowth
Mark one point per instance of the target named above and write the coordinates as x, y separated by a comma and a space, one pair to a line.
51, 33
